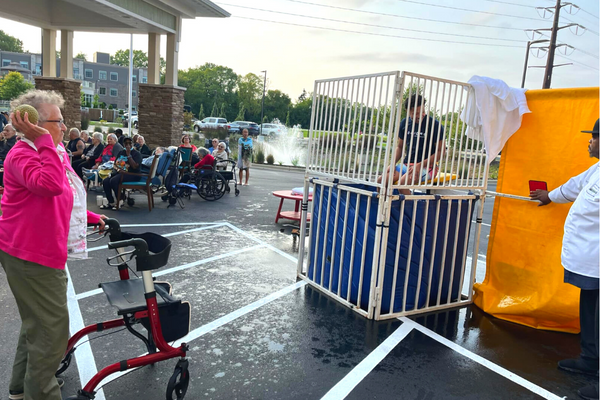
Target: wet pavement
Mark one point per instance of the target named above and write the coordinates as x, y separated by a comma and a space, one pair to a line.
257, 333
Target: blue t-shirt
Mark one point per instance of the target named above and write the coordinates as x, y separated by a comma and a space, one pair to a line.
428, 136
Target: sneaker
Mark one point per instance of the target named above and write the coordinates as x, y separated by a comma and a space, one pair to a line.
14, 395
579, 366
588, 392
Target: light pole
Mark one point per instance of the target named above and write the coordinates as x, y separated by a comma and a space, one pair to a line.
262, 107
529, 43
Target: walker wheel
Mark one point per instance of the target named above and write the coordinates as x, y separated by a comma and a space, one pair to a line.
237, 192
130, 202
66, 361
178, 384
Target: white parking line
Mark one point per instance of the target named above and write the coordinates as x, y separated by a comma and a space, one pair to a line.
364, 368
86, 364
180, 268
167, 234
251, 237
211, 326
482, 361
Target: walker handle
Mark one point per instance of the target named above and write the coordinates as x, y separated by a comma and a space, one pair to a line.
139, 244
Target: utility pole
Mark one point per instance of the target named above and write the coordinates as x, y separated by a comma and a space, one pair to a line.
262, 107
552, 48
130, 84
529, 43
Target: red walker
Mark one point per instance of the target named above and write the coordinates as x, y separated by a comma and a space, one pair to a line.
140, 301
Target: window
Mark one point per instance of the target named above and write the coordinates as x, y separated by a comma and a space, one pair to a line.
89, 73
114, 76
89, 98
102, 75
5, 62
25, 64
133, 93
114, 92
102, 91
38, 69
144, 79
134, 78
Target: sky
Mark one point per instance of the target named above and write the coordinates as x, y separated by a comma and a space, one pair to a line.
295, 52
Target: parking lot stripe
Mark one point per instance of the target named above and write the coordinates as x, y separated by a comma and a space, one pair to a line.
364, 368
170, 224
169, 234
86, 364
180, 268
211, 326
257, 240
482, 361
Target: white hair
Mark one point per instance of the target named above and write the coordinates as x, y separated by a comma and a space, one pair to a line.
75, 130
98, 136
112, 135
37, 98
9, 126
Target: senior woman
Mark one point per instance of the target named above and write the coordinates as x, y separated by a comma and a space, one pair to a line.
92, 153
40, 187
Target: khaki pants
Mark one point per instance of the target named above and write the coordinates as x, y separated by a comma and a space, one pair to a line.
41, 296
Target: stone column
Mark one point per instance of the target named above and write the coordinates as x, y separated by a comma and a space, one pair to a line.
160, 114
71, 91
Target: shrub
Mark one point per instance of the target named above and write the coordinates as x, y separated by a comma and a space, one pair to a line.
110, 107
220, 133
270, 159
121, 112
295, 161
97, 129
119, 120
196, 136
102, 121
111, 130
260, 155
187, 119
85, 121
280, 162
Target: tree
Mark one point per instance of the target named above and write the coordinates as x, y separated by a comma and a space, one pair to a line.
10, 43
222, 113
242, 113
249, 92
81, 55
121, 57
300, 112
287, 118
302, 97
276, 104
95, 103
215, 110
12, 85
201, 114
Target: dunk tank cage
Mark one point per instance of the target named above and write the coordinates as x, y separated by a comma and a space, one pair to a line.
383, 248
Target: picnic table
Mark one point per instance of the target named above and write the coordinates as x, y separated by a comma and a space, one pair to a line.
295, 215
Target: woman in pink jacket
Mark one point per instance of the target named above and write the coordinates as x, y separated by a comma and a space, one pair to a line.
43, 222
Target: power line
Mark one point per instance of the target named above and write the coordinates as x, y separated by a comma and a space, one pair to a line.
586, 28
470, 10
402, 16
370, 25
512, 4
577, 62
595, 16
575, 48
377, 34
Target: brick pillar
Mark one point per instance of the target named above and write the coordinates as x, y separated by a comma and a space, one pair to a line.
71, 92
160, 114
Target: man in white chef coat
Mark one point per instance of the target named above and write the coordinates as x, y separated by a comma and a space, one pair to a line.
580, 258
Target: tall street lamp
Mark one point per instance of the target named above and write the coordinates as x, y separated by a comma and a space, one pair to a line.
262, 107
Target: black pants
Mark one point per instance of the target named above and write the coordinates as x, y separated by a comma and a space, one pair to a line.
588, 318
111, 184
78, 165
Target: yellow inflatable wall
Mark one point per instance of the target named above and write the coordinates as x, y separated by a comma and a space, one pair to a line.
524, 277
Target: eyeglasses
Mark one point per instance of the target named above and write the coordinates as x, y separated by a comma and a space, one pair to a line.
60, 121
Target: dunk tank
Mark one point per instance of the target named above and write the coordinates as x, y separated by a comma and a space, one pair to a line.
384, 248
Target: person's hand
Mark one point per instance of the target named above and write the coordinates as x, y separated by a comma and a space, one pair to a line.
101, 223
541, 196
29, 130
1, 190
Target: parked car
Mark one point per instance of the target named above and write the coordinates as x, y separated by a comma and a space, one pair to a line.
273, 130
134, 122
211, 123
238, 126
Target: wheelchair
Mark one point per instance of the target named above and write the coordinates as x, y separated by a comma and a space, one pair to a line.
140, 301
212, 184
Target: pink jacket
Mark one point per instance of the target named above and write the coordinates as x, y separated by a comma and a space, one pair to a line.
37, 204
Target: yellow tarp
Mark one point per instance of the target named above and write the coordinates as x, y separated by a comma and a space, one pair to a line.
524, 277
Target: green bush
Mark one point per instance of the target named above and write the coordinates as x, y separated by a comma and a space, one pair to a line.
85, 122
295, 161
97, 129
260, 155
220, 133
270, 159
111, 130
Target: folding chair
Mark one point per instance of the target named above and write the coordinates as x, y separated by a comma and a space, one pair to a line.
186, 160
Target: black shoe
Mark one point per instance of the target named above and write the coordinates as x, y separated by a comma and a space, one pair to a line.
588, 392
15, 395
579, 366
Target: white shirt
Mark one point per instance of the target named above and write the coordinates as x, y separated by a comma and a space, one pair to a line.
581, 241
493, 113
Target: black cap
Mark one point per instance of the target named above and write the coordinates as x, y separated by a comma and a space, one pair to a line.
595, 131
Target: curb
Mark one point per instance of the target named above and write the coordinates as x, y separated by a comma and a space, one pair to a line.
288, 168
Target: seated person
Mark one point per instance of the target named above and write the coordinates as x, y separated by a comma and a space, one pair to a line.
92, 153
85, 136
76, 146
186, 142
128, 160
108, 154
221, 156
9, 138
147, 162
206, 159
215, 144
142, 147
424, 145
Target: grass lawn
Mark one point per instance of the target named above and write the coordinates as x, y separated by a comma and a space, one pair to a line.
107, 124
